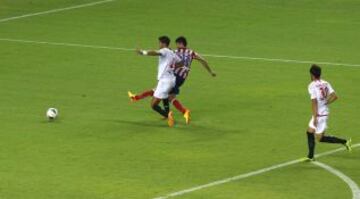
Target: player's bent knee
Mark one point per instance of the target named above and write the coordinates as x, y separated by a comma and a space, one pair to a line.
311, 130
171, 97
153, 105
319, 136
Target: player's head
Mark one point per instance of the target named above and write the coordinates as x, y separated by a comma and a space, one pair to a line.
315, 72
181, 42
164, 41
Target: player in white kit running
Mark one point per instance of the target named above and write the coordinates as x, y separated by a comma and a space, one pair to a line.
321, 94
168, 61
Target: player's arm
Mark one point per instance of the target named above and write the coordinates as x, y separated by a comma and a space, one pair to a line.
148, 52
178, 62
314, 105
205, 64
331, 98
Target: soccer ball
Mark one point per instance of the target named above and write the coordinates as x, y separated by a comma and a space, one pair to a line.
52, 113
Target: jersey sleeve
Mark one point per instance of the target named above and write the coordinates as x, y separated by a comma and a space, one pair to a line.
162, 52
194, 54
330, 88
312, 92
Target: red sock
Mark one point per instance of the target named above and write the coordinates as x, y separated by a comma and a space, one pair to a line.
144, 95
179, 106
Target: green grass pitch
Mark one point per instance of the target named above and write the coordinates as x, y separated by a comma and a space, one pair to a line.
252, 116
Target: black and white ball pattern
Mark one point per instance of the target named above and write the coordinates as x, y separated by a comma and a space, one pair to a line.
52, 113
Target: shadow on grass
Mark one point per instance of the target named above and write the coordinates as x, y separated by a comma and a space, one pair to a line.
142, 123
193, 133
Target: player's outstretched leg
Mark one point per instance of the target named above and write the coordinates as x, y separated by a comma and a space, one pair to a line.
182, 109
134, 98
311, 144
334, 140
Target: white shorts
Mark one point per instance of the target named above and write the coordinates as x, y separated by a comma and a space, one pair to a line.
321, 126
163, 88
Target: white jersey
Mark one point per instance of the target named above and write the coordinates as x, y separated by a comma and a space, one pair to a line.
320, 90
167, 61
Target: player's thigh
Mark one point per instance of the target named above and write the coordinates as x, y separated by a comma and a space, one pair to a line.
174, 91
318, 136
311, 128
178, 83
321, 125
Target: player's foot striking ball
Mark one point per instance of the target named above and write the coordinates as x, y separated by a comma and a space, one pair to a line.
322, 95
168, 61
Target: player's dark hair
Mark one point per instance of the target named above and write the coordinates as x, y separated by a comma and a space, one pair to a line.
315, 70
181, 40
165, 40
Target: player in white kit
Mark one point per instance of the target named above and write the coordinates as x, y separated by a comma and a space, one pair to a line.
168, 61
321, 94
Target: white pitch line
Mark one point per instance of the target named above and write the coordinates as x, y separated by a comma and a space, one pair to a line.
282, 60
66, 44
55, 10
246, 175
353, 186
206, 55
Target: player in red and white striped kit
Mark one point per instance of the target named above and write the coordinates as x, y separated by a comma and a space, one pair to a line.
187, 55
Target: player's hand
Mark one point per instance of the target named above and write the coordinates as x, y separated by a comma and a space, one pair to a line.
138, 51
315, 121
326, 102
141, 52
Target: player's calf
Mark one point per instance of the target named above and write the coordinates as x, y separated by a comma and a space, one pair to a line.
179, 106
155, 106
334, 140
330, 139
311, 143
134, 98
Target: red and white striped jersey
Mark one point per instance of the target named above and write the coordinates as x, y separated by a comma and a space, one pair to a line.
186, 55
